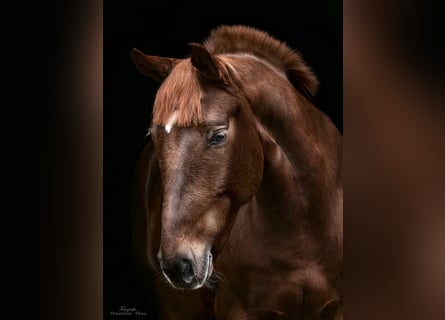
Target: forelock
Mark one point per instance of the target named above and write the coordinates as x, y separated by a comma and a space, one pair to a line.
181, 94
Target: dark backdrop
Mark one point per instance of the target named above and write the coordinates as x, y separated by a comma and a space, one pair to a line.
164, 28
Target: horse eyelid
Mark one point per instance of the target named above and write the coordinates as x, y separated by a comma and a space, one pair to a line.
220, 127
210, 135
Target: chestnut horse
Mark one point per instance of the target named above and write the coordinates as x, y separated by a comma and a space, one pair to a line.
239, 197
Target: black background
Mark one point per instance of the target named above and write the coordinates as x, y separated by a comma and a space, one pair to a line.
164, 28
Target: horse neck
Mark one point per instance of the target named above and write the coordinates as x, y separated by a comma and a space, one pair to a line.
302, 151
307, 136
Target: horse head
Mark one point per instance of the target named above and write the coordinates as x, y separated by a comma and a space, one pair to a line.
210, 158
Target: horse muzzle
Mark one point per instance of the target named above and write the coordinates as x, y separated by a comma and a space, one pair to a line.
183, 272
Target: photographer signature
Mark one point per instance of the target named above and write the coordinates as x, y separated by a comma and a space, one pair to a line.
125, 311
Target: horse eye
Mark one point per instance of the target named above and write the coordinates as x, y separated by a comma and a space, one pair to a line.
218, 137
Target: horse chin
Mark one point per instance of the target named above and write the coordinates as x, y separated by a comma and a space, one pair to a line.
186, 286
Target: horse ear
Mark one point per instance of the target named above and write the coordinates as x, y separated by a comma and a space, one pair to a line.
153, 67
304, 81
207, 65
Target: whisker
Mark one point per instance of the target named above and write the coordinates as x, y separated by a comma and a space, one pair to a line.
210, 285
159, 278
219, 276
214, 280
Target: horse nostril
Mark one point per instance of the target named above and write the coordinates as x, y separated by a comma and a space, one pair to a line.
179, 270
186, 269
